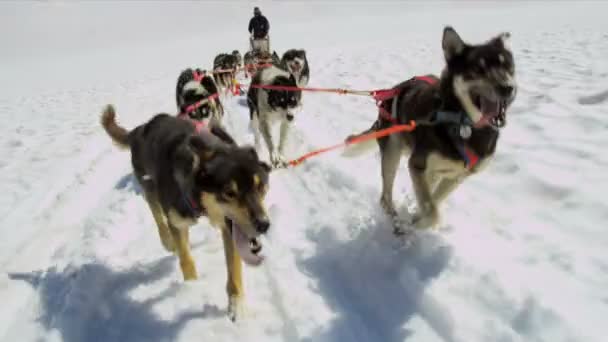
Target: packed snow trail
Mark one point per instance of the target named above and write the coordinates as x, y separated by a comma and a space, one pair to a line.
520, 258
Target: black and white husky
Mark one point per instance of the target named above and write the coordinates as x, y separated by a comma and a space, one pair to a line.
197, 97
295, 62
460, 115
225, 67
269, 106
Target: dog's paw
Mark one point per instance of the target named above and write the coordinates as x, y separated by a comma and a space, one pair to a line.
388, 207
426, 221
236, 308
401, 227
277, 160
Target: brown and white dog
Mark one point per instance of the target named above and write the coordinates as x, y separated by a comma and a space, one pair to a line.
459, 117
185, 175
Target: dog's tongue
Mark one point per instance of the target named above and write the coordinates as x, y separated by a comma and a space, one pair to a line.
489, 109
242, 245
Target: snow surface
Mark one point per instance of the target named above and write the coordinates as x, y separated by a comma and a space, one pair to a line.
522, 256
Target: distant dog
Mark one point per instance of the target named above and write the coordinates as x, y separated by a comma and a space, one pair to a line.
239, 58
187, 174
224, 69
296, 63
196, 95
459, 117
268, 106
255, 60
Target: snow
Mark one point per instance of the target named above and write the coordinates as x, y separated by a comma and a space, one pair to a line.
520, 258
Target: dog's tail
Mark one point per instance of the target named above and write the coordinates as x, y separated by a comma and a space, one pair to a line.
119, 135
360, 148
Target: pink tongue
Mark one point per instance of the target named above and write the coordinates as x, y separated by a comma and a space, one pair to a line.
489, 108
242, 245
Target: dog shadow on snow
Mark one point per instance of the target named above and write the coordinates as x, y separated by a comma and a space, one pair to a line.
375, 285
92, 303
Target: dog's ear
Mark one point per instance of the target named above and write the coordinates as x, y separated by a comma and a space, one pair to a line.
451, 43
502, 40
200, 148
186, 162
254, 154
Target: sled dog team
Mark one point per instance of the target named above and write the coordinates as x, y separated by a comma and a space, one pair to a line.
189, 166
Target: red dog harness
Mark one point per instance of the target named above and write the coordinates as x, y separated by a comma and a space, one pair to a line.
468, 155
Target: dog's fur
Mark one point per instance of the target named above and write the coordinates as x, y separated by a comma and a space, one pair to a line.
253, 59
188, 91
295, 62
436, 168
229, 64
269, 106
174, 163
239, 58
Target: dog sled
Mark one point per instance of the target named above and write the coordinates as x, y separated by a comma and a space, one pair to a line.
260, 44
259, 55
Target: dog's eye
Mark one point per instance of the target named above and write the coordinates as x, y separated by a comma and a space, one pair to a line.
230, 194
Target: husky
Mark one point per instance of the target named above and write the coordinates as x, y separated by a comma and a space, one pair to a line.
254, 60
224, 68
197, 97
268, 106
459, 118
239, 58
187, 174
295, 62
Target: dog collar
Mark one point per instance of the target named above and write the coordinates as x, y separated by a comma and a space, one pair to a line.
195, 209
459, 130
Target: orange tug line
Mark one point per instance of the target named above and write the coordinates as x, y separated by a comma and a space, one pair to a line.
379, 95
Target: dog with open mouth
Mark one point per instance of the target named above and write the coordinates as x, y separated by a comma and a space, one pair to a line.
295, 62
197, 97
459, 116
186, 174
269, 106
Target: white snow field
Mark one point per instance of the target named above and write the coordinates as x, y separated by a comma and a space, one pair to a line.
521, 256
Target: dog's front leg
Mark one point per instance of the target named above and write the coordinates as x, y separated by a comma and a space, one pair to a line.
390, 152
285, 126
159, 217
444, 188
428, 215
234, 284
264, 126
186, 263
275, 156
254, 126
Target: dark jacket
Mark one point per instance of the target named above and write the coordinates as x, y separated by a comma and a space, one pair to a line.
259, 26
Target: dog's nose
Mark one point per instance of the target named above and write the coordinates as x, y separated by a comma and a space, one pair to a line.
262, 225
505, 90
